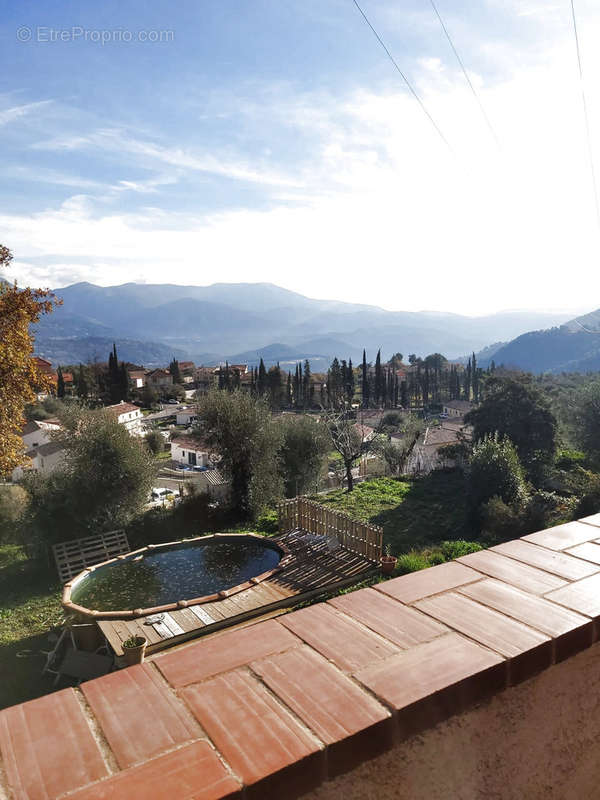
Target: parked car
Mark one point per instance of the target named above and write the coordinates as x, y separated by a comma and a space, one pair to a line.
173, 402
160, 495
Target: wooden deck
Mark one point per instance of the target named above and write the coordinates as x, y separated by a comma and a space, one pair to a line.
319, 564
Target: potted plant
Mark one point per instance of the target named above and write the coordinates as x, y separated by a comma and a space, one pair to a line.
388, 561
134, 649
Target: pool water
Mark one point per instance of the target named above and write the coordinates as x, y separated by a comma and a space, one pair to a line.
180, 572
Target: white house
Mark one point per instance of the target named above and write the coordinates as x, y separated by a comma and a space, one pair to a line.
186, 416
214, 483
189, 451
128, 415
44, 458
37, 432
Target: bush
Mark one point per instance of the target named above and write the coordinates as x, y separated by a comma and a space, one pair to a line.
411, 562
13, 503
499, 521
267, 521
460, 547
155, 442
495, 471
570, 459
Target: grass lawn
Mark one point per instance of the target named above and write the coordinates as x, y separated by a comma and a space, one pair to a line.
414, 512
29, 608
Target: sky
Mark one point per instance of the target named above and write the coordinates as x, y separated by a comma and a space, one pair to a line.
272, 140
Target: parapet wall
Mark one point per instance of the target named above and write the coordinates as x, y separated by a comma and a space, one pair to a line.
477, 678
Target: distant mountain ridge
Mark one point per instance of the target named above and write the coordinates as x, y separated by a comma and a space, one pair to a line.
572, 347
240, 321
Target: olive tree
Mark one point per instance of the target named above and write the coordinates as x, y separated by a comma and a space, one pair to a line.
103, 482
239, 428
305, 442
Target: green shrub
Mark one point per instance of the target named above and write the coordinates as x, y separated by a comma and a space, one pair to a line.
411, 562
499, 521
569, 459
458, 548
495, 471
267, 521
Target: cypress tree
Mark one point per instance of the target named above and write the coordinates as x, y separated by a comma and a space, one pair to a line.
261, 384
403, 395
350, 382
82, 384
296, 388
60, 383
175, 371
306, 384
365, 382
378, 380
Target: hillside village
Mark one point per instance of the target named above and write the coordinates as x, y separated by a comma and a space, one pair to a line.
165, 398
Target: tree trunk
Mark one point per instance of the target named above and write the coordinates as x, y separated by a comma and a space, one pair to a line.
349, 478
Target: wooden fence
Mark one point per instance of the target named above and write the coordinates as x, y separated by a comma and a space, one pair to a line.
359, 537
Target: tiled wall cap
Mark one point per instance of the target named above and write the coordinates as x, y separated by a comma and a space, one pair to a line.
272, 709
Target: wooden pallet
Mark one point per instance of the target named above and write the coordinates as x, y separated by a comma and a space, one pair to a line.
74, 556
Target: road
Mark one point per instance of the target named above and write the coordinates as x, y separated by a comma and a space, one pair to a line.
166, 411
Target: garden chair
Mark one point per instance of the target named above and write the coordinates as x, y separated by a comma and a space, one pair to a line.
81, 652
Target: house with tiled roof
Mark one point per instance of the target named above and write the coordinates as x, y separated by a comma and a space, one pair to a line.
37, 432
137, 377
457, 408
128, 415
159, 378
44, 458
189, 451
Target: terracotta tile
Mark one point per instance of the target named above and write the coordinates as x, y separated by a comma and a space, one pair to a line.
571, 632
351, 722
594, 519
561, 564
48, 748
193, 772
434, 680
583, 596
590, 551
417, 585
338, 638
264, 744
508, 570
562, 536
224, 652
529, 650
159, 723
403, 626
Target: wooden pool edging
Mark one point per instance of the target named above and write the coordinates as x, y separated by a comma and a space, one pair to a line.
94, 614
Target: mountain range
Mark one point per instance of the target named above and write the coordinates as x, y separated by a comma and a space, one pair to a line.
572, 347
243, 322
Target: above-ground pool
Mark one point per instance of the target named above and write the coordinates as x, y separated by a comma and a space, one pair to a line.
164, 577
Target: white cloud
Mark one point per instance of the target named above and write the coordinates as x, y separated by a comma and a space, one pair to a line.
151, 154
15, 113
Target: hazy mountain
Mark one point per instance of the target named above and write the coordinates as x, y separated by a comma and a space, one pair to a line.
243, 319
573, 347
83, 350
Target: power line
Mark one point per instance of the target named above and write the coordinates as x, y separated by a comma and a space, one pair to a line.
466, 74
585, 115
405, 79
